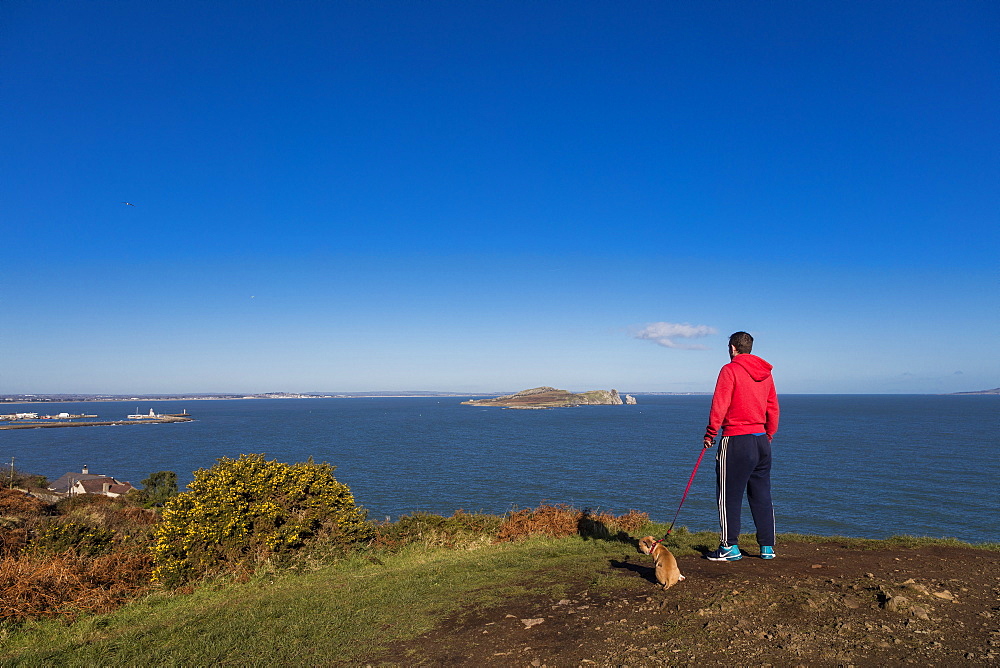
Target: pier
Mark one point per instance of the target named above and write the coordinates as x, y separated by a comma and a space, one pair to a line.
163, 419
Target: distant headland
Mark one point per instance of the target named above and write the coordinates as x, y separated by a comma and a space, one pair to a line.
550, 397
995, 390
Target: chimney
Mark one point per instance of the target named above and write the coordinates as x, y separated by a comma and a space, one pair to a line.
85, 470
106, 487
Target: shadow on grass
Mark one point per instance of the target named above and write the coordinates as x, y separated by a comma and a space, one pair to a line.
591, 528
702, 549
647, 573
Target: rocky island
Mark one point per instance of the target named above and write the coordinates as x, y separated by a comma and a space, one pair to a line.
550, 397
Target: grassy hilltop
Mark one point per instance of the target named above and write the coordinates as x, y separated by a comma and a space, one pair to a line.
449, 594
104, 581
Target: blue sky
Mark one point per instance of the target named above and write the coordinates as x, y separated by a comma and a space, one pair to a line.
352, 196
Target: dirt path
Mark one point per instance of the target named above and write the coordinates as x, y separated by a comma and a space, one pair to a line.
815, 605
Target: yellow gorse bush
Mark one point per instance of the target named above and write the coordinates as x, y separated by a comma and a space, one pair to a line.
243, 511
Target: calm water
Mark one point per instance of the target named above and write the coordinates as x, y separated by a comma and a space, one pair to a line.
868, 466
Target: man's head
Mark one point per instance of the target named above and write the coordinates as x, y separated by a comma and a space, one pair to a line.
740, 343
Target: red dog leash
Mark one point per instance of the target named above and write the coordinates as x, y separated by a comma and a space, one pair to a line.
686, 490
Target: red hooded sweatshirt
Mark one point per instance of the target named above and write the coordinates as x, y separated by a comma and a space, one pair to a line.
745, 401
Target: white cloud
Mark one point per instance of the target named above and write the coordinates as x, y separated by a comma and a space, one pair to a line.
666, 333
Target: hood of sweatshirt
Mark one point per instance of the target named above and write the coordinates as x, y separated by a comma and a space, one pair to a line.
755, 366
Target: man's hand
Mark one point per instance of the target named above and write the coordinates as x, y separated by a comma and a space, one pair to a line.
708, 442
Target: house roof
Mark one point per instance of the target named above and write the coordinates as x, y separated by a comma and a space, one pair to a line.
96, 485
65, 482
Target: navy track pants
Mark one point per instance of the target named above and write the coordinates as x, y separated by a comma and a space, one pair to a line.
743, 463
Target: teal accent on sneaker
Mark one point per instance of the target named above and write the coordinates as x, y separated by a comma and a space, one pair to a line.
766, 552
731, 553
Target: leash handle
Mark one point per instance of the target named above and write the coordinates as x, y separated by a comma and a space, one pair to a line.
686, 490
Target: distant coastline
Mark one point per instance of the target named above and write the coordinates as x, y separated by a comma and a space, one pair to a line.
79, 398
13, 399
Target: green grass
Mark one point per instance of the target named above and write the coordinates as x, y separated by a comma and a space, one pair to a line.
876, 544
348, 612
341, 613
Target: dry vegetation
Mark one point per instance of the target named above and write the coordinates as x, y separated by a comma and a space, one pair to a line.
65, 585
88, 554
91, 554
561, 520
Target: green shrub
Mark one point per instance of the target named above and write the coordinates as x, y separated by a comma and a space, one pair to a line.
93, 524
15, 478
156, 489
79, 539
242, 512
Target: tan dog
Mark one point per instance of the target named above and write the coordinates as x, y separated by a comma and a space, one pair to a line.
667, 573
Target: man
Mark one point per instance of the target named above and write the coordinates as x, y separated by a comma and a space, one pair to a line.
745, 408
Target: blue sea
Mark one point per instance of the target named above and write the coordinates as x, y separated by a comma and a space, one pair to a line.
868, 466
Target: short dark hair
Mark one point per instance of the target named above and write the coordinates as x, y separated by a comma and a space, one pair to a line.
742, 341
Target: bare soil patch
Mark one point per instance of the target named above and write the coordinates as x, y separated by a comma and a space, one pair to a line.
815, 605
